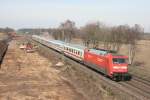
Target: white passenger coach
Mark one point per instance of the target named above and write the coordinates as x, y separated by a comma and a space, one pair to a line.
71, 50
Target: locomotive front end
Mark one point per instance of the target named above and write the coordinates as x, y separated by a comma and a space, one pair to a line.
120, 68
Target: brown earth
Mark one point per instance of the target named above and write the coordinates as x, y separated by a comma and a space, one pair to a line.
29, 76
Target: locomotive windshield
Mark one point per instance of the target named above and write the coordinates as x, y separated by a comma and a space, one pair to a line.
119, 60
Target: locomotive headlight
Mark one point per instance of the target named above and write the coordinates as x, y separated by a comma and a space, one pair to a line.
120, 67
124, 67
116, 67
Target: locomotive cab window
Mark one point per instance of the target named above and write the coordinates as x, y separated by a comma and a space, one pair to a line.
119, 60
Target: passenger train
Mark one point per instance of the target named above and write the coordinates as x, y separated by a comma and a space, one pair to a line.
110, 64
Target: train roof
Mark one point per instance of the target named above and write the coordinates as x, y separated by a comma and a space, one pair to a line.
104, 52
52, 41
108, 51
77, 46
57, 42
39, 37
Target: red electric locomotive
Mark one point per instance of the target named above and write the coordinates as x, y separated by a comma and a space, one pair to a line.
111, 64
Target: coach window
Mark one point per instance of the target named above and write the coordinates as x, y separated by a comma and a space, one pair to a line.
78, 52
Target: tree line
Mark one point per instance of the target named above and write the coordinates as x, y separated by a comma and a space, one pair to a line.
6, 30
112, 38
95, 34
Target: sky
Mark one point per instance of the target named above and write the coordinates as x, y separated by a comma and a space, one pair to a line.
50, 13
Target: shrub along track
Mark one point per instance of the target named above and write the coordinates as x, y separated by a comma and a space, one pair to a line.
134, 89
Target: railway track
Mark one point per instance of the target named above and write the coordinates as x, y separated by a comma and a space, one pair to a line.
3, 49
137, 87
145, 81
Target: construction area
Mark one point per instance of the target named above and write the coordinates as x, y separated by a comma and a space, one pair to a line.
29, 76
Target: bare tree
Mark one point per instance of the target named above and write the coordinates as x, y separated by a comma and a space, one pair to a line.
67, 30
92, 34
132, 35
57, 35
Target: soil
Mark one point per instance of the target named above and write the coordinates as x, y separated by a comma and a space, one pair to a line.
29, 76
